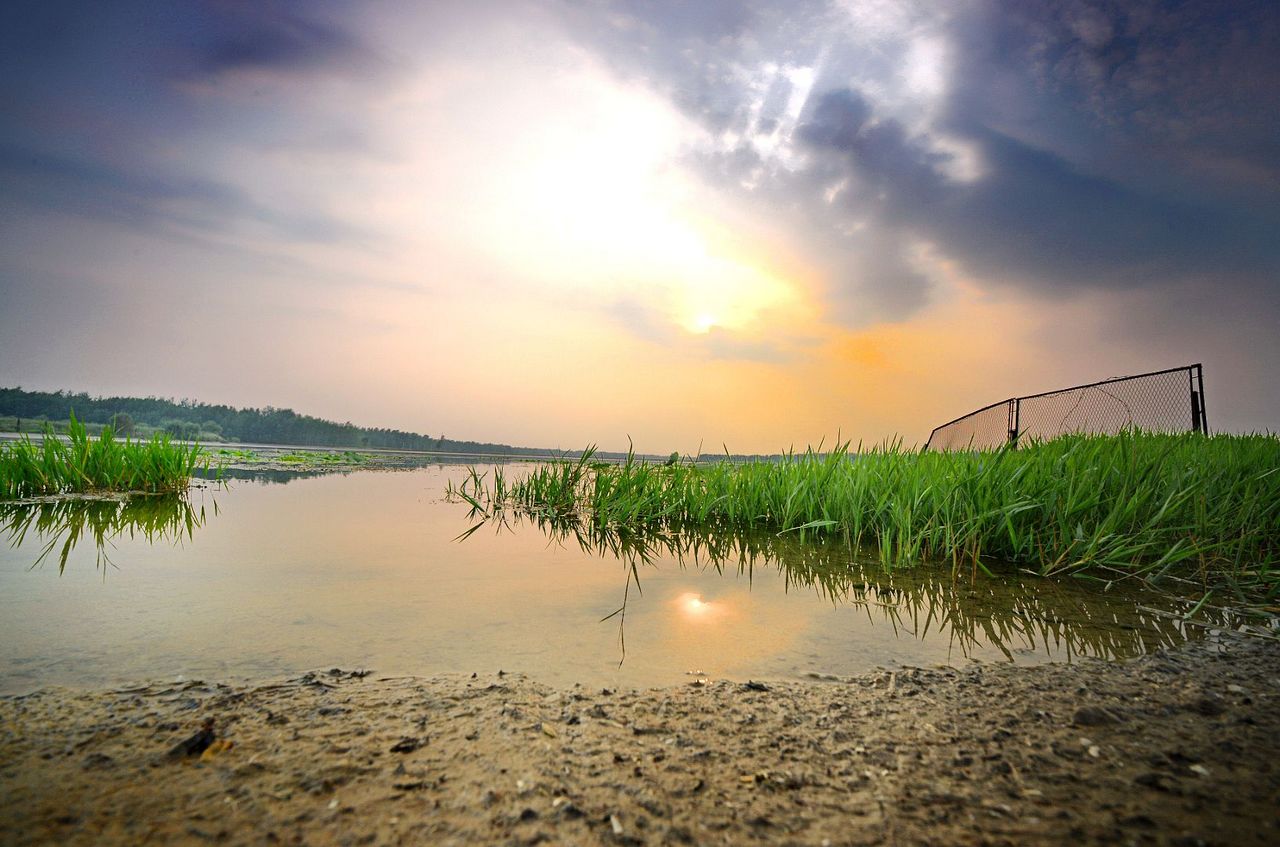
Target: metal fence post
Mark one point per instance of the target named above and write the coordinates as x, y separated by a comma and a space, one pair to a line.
1201, 423
1015, 412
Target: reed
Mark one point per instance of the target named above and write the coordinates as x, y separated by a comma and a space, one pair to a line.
1133, 504
82, 463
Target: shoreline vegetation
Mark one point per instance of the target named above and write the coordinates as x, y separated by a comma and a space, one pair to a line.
1186, 507
142, 417
192, 420
84, 464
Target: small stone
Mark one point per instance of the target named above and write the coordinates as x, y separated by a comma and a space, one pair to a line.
1153, 780
196, 744
1208, 706
1093, 716
406, 745
416, 785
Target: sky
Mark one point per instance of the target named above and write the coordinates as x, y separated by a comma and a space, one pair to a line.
686, 225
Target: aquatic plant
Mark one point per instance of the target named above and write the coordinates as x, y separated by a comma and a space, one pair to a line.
82, 463
1132, 504
323, 457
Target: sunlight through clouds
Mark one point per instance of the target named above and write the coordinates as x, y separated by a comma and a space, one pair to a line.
767, 221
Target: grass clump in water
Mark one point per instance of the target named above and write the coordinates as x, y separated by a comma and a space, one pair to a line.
82, 463
1141, 504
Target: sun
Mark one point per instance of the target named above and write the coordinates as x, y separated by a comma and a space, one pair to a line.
704, 322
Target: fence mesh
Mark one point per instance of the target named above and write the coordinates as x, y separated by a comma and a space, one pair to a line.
1162, 401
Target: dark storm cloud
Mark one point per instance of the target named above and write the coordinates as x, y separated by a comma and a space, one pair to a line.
889, 165
136, 44
270, 37
1120, 145
100, 119
87, 189
689, 51
1195, 81
1037, 219
1032, 217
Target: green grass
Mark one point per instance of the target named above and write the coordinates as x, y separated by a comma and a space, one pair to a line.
83, 463
1134, 504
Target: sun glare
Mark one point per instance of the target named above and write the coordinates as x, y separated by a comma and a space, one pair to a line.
693, 605
600, 208
704, 322
711, 290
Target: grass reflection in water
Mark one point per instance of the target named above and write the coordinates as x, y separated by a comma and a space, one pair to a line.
1011, 611
62, 525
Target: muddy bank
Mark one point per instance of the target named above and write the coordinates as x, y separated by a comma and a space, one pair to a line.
1176, 748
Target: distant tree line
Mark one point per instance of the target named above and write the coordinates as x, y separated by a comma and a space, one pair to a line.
191, 419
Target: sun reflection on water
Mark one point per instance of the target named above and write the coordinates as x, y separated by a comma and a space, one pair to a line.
697, 609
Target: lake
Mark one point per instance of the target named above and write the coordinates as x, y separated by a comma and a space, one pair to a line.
281, 573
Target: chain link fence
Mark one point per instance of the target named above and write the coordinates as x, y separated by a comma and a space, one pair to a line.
1161, 401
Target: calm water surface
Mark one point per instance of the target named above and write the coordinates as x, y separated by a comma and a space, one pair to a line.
263, 579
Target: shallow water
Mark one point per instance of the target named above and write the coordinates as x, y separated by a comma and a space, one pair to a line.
362, 570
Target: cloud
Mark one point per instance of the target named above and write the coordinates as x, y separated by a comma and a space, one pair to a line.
1191, 82
108, 116
648, 323
268, 37
189, 205
720, 343
1018, 182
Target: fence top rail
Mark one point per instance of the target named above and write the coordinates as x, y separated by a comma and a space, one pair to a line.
1095, 384
971, 414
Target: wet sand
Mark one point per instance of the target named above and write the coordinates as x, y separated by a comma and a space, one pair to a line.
1180, 747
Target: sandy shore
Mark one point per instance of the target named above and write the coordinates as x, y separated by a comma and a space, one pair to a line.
1178, 748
